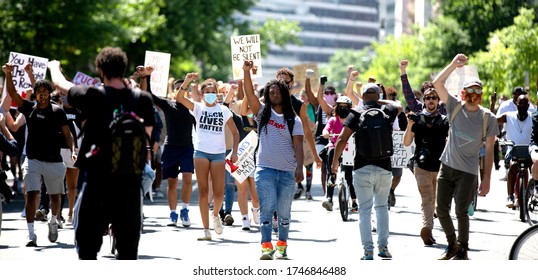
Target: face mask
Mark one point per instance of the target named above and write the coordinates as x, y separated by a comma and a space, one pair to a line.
250, 116
371, 103
341, 112
329, 99
210, 98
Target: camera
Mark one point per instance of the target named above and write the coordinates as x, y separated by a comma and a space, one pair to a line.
413, 117
323, 79
424, 153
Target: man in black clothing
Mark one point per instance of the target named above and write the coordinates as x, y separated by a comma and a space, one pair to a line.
106, 198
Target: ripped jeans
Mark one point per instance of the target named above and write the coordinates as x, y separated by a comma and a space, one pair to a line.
275, 190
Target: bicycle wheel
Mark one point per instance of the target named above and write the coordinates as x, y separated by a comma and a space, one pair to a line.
531, 204
522, 201
526, 245
342, 200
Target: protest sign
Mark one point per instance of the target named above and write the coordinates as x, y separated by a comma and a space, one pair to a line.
348, 155
299, 72
401, 153
20, 78
159, 76
454, 82
245, 165
85, 80
246, 47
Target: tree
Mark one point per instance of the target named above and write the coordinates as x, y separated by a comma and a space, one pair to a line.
336, 70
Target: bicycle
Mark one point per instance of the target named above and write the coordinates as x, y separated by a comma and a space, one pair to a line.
526, 245
344, 197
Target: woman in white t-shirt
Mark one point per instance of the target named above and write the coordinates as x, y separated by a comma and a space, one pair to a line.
209, 147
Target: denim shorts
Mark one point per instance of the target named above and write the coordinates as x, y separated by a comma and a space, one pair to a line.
210, 157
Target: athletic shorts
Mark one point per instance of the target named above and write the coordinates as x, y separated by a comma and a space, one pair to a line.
66, 156
177, 159
397, 172
52, 173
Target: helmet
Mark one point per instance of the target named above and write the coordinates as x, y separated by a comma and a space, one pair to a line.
344, 99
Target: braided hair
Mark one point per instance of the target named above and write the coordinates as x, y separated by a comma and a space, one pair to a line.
289, 114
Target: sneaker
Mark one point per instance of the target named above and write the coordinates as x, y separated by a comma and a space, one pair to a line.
354, 207
426, 235
53, 231
32, 240
70, 220
384, 252
267, 251
510, 201
184, 215
327, 204
461, 254
228, 220
298, 193
308, 196
60, 224
173, 219
280, 252
256, 215
392, 198
450, 251
23, 213
41, 215
206, 237
246, 224
368, 256
217, 225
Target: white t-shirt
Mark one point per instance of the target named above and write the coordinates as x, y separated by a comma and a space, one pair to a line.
518, 131
210, 123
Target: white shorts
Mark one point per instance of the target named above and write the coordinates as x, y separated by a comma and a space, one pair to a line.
35, 172
66, 156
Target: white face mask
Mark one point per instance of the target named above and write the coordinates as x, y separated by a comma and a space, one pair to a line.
210, 98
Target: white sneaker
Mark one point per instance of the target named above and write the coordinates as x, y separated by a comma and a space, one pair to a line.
217, 224
327, 205
246, 224
256, 216
206, 237
53, 231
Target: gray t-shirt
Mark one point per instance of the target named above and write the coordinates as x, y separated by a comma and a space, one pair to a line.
462, 151
276, 146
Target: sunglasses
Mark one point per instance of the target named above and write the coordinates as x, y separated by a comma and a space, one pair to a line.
344, 107
329, 92
474, 90
431, 97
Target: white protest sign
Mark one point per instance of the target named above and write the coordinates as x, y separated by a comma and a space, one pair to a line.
246, 47
454, 82
244, 166
348, 155
20, 78
159, 76
401, 153
85, 80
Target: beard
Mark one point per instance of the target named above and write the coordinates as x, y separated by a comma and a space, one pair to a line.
473, 99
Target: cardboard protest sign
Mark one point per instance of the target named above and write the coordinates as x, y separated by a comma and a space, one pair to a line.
245, 165
159, 76
299, 72
20, 78
401, 153
85, 80
308, 154
246, 47
348, 155
454, 82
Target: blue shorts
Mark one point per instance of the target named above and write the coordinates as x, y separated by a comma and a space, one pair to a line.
210, 157
177, 159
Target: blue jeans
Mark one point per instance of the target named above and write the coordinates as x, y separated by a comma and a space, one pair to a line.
372, 186
275, 190
229, 192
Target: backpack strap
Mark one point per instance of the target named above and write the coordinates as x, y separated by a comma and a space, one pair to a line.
456, 110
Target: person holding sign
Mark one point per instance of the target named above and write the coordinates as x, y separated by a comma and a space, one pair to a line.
43, 162
210, 148
458, 175
279, 159
429, 130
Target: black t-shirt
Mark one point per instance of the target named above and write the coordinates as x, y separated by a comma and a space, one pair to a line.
44, 126
430, 140
179, 122
352, 121
99, 107
320, 125
75, 118
296, 104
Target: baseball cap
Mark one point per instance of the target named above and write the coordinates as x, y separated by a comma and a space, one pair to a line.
370, 87
472, 82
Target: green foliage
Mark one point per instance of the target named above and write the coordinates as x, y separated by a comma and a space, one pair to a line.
336, 69
279, 32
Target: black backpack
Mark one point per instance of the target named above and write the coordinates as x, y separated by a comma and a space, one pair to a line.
129, 140
374, 135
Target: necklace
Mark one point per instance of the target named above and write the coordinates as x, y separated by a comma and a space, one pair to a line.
520, 123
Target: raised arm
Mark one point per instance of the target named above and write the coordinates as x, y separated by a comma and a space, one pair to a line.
308, 88
409, 95
180, 93
10, 87
322, 103
253, 101
57, 77
439, 81
349, 88
30, 71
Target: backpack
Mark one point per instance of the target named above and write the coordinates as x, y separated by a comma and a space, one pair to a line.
128, 151
374, 135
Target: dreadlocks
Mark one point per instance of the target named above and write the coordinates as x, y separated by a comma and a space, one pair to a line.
287, 109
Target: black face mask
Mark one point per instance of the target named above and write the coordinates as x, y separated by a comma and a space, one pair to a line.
371, 103
342, 112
